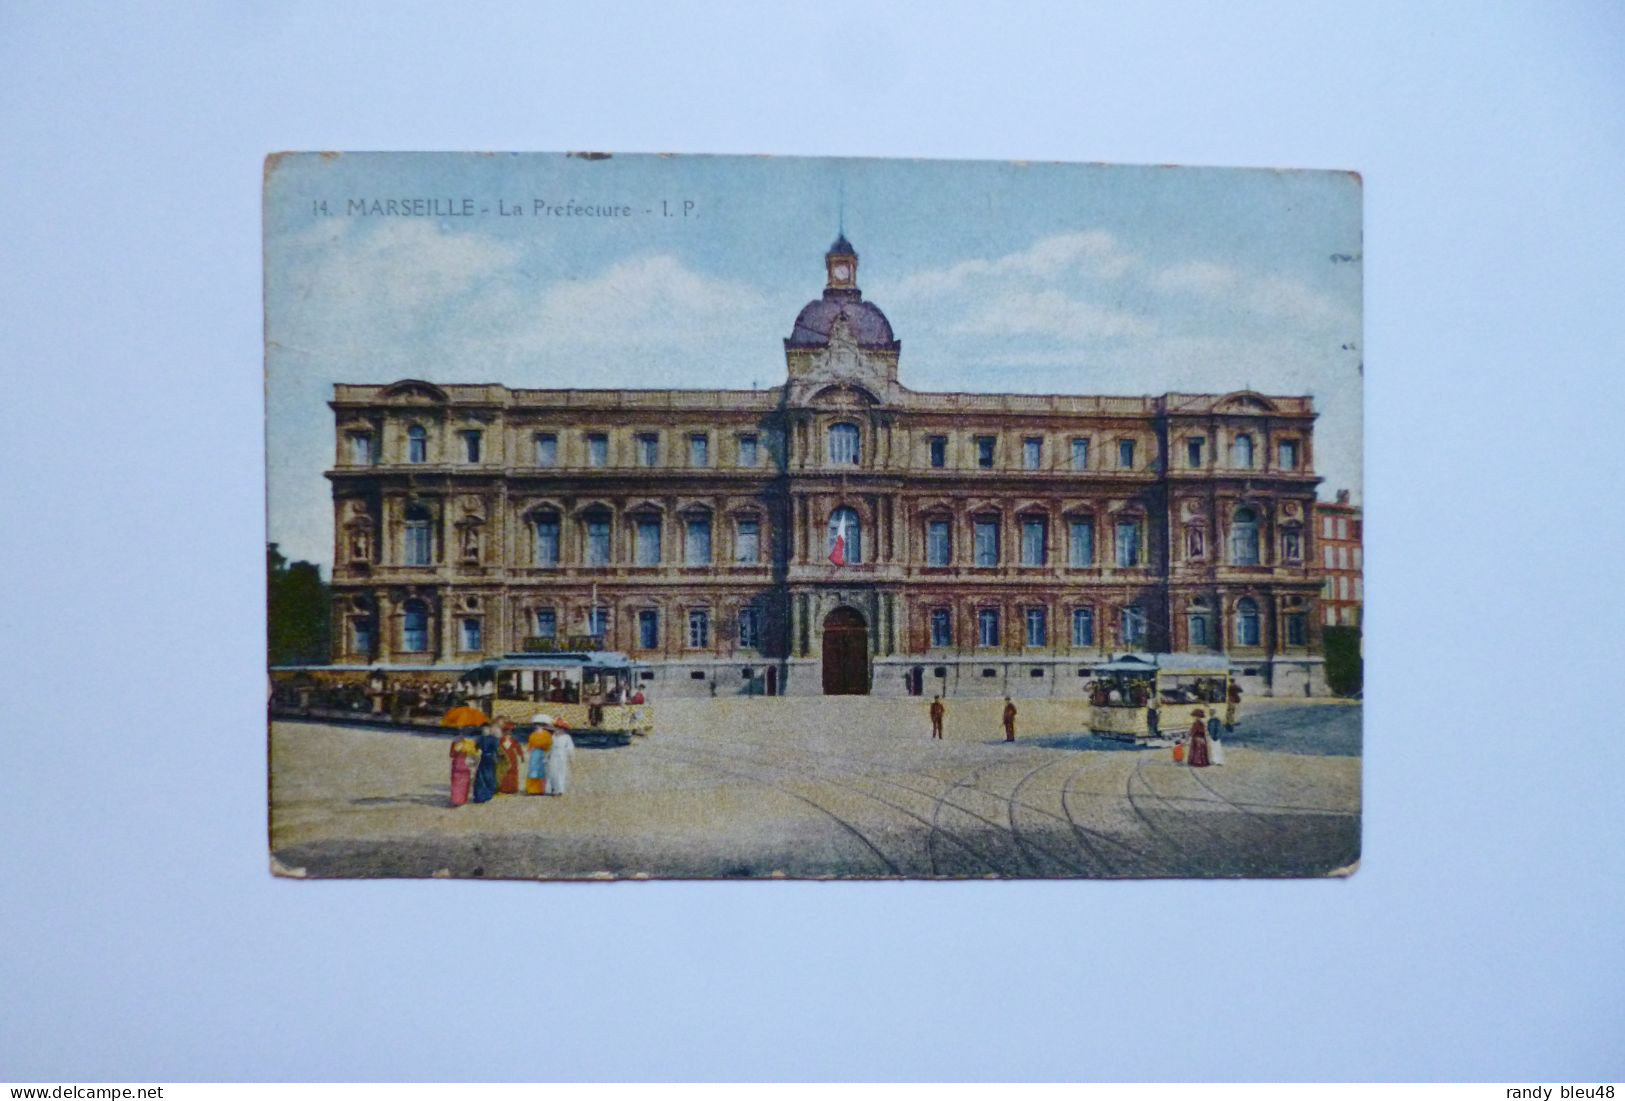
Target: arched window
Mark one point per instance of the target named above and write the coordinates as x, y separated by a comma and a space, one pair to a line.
417, 444
415, 626
1241, 453
1244, 538
1247, 633
843, 444
419, 537
845, 536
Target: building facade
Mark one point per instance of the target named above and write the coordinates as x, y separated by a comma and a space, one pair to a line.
839, 533
1340, 534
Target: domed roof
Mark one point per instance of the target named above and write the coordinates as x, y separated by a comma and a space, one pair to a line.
817, 318
841, 247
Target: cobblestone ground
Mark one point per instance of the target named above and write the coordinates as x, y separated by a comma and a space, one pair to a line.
836, 787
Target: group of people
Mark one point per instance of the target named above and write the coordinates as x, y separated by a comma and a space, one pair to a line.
494, 762
939, 711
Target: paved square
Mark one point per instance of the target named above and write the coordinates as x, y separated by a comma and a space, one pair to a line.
837, 787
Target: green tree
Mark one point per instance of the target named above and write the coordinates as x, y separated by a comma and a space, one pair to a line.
296, 611
1344, 666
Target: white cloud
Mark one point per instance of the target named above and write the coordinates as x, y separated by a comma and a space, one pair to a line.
1050, 313
1090, 253
1268, 297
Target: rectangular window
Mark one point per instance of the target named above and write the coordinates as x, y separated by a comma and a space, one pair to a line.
648, 541
750, 630
699, 628
418, 543
1081, 550
648, 629
984, 452
547, 623
471, 446
1132, 627
1297, 630
749, 550
1343, 588
1037, 627
1357, 557
417, 446
1193, 451
1198, 628
547, 541
1359, 589
938, 543
1328, 615
987, 627
1342, 558
699, 450
987, 542
1128, 543
547, 449
1327, 556
1083, 626
1325, 527
697, 541
1032, 453
939, 451
1289, 454
648, 449
942, 632
597, 449
1342, 527
598, 621
361, 448
1080, 453
1034, 540
598, 541
1125, 454
471, 634
749, 452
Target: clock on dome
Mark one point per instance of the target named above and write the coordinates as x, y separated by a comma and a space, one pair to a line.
842, 263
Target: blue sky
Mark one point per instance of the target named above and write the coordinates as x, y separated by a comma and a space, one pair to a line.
997, 276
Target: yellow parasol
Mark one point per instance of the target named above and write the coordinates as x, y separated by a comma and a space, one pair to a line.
464, 716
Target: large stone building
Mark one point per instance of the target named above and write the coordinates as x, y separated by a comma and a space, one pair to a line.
988, 543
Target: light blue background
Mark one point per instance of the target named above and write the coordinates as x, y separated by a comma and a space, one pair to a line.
140, 936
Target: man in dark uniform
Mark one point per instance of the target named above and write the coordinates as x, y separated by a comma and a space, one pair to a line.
937, 711
1009, 720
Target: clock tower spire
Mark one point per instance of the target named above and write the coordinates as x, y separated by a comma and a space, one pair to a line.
841, 262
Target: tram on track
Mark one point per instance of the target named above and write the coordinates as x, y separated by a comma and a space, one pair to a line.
595, 693
1120, 696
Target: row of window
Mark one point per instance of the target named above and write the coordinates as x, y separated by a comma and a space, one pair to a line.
844, 448
1340, 558
1339, 527
1345, 588
1131, 627
845, 526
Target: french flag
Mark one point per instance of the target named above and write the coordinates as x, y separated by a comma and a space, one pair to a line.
837, 553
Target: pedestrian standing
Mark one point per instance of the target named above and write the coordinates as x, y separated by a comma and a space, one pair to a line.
937, 711
558, 760
460, 751
1231, 702
485, 773
1152, 719
1197, 756
1009, 720
537, 745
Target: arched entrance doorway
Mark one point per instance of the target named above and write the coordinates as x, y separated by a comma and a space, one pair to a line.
846, 654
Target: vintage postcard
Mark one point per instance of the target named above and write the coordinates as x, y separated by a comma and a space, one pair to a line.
684, 516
